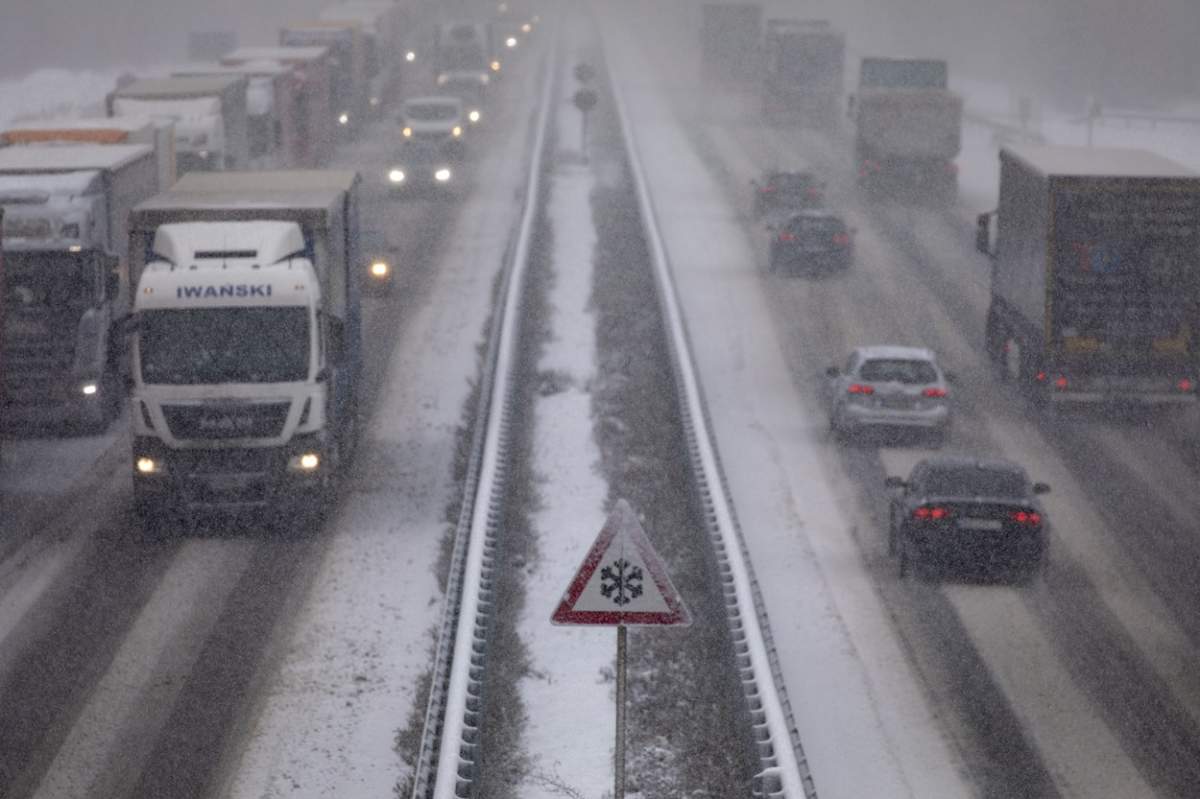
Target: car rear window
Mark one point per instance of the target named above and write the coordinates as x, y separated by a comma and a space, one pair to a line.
882, 370
973, 481
817, 226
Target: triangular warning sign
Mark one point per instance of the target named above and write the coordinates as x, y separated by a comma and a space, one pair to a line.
622, 580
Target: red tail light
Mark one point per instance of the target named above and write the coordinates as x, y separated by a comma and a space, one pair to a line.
813, 194
1060, 383
935, 393
1185, 385
1040, 377
859, 388
931, 513
785, 236
1029, 518
766, 189
841, 240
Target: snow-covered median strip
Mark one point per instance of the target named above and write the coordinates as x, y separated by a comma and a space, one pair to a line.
570, 740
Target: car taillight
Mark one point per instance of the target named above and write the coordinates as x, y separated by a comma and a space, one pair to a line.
812, 194
931, 513
766, 189
1040, 376
841, 240
785, 236
1028, 518
859, 388
934, 392
1061, 383
1185, 384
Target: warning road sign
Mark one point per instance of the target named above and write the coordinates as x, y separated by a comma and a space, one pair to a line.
622, 580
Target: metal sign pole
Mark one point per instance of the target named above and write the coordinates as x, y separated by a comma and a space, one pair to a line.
619, 786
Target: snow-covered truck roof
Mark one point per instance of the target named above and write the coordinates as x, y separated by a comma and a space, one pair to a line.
280, 53
70, 158
308, 196
1099, 162
182, 87
261, 68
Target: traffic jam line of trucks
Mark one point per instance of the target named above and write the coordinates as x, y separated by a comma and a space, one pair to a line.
189, 253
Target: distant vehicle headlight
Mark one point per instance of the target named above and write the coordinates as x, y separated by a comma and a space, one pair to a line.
473, 115
510, 42
526, 28
443, 79
396, 176
304, 462
410, 56
374, 102
442, 175
89, 389
343, 118
407, 132
379, 268
495, 67
456, 131
147, 465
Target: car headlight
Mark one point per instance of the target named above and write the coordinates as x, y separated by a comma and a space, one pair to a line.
442, 175
526, 28
203, 154
495, 68
379, 268
374, 101
442, 80
410, 56
343, 118
396, 176
407, 132
456, 131
474, 115
510, 42
146, 465
304, 462
89, 389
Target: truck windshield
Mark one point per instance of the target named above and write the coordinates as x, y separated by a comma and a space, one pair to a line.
888, 74
47, 280
199, 346
462, 56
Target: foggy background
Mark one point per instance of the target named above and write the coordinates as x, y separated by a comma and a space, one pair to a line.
1121, 52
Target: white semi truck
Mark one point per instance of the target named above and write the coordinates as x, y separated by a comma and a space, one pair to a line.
245, 341
65, 244
210, 116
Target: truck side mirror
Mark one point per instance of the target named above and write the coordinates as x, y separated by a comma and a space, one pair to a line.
983, 234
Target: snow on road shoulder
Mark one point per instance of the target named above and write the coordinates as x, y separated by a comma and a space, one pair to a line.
567, 697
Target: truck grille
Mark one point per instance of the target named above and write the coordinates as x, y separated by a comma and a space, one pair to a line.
35, 365
226, 420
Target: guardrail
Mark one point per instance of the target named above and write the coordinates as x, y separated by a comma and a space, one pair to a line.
447, 763
784, 771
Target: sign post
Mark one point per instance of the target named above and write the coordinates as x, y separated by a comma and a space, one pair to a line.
621, 582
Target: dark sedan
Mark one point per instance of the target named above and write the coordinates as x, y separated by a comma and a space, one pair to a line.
814, 241
976, 514
781, 191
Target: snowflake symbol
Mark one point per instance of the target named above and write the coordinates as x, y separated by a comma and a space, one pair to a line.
621, 582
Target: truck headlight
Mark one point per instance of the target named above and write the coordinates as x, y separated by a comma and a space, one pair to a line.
304, 462
147, 465
396, 176
379, 268
442, 175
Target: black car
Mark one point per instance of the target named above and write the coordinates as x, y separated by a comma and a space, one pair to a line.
422, 166
779, 191
816, 240
972, 513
